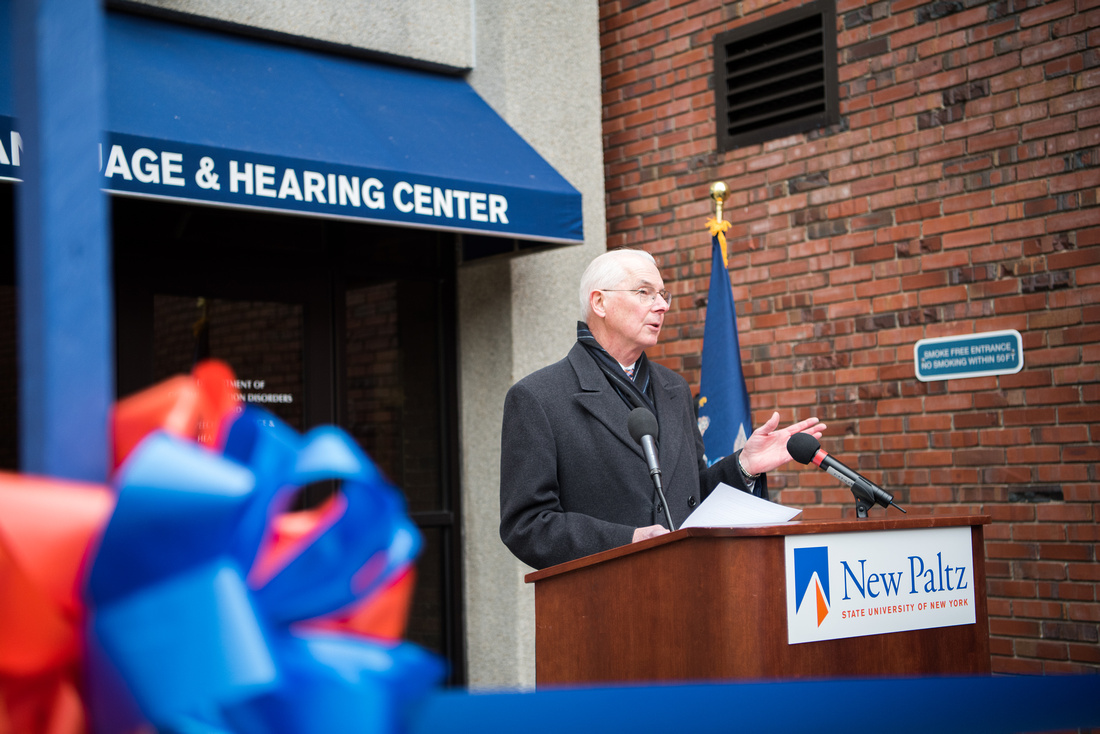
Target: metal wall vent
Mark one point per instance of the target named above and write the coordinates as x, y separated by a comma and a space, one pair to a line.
776, 77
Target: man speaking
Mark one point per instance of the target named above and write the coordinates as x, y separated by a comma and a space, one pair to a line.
572, 480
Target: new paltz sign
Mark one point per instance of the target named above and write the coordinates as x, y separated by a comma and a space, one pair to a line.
868, 583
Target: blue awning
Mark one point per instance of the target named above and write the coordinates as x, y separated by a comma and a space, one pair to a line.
208, 117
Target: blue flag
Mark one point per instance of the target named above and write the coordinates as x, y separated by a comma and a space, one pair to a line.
725, 417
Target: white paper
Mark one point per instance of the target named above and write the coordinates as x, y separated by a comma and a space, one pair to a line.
727, 507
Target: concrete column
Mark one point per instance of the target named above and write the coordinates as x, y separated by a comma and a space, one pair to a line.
538, 66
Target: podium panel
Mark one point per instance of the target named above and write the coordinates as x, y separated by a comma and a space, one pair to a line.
711, 603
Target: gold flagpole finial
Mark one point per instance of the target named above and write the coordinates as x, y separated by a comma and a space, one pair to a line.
719, 192
718, 226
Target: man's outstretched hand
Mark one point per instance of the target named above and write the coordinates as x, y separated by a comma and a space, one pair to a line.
766, 448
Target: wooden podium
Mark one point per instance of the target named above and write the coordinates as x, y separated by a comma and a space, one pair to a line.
710, 603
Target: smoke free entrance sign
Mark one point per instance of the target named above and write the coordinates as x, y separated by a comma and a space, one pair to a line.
973, 355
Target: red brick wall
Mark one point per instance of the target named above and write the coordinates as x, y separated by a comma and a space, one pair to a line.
956, 196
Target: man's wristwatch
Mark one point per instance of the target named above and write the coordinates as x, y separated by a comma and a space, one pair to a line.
744, 472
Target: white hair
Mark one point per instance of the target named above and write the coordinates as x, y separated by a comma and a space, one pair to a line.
607, 271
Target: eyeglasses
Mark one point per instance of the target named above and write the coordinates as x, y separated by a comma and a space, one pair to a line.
645, 294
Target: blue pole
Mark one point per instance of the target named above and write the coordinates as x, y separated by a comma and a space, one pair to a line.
63, 257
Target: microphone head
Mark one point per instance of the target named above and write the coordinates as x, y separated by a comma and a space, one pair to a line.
641, 423
802, 447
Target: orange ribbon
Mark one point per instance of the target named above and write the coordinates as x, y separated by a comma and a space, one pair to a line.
46, 528
196, 406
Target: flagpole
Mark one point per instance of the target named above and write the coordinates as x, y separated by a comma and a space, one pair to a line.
724, 409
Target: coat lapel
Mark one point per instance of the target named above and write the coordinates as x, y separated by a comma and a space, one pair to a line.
600, 399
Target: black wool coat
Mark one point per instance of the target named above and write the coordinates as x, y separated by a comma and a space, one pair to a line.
572, 480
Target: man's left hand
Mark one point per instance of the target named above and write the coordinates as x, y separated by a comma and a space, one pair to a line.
766, 448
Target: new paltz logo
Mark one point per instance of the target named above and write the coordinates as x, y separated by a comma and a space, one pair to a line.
875, 582
811, 569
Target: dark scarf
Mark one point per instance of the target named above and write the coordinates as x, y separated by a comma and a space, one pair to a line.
635, 393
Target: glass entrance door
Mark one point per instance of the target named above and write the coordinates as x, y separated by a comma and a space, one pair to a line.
395, 372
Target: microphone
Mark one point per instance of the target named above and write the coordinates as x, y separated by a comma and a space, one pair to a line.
643, 429
804, 448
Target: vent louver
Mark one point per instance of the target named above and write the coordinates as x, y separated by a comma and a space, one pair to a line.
776, 77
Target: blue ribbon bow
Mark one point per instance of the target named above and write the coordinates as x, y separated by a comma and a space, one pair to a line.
178, 636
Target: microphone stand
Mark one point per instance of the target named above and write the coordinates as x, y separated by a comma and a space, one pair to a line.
868, 495
864, 499
656, 474
642, 426
650, 450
